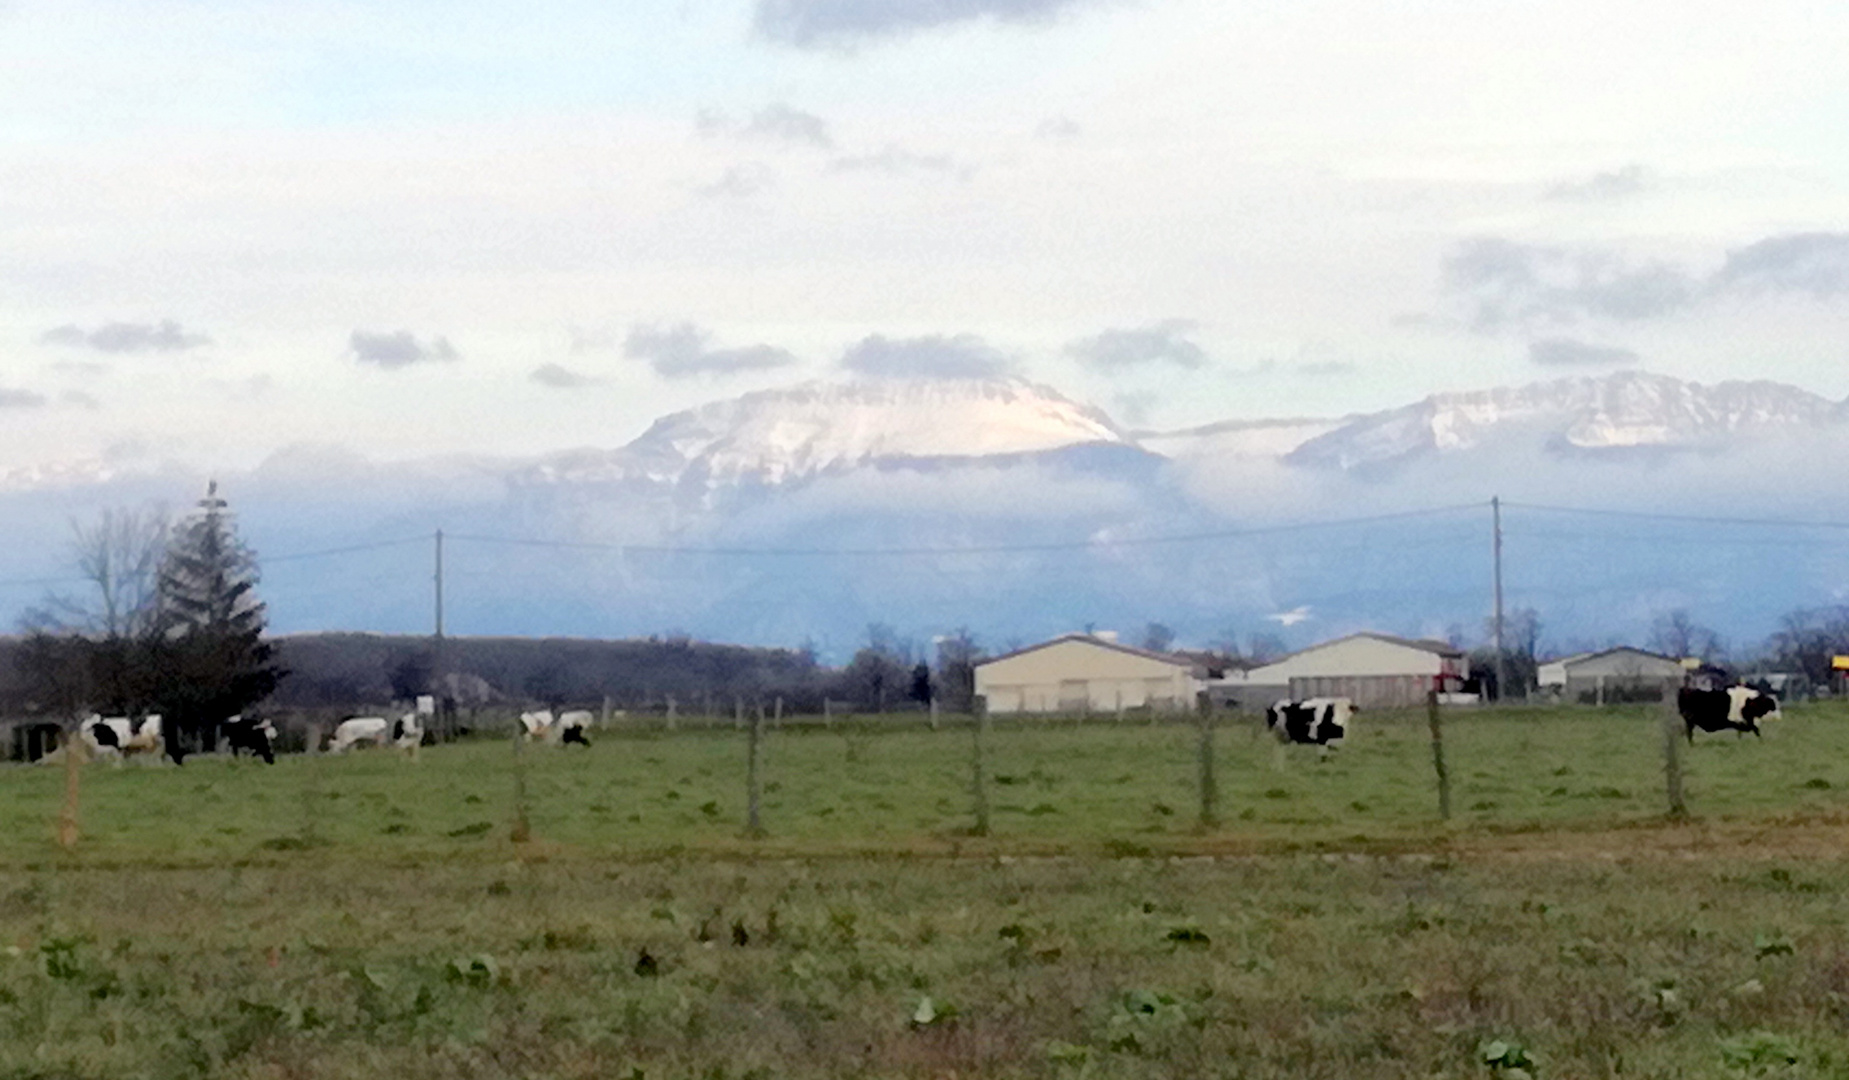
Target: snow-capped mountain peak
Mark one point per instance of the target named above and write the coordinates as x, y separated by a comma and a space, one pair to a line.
775, 436
1629, 409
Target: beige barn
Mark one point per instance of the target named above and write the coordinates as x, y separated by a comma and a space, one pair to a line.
1375, 670
1620, 674
1085, 673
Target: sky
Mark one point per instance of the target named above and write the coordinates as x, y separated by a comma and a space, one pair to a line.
228, 227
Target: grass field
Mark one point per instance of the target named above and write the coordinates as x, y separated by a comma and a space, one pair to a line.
368, 915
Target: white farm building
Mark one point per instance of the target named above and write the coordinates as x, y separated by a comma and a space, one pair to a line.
1086, 673
1622, 673
1375, 670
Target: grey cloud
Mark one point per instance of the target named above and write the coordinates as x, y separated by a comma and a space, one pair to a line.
776, 122
1816, 263
398, 349
1058, 127
963, 356
901, 162
1563, 352
1601, 187
1503, 283
20, 399
681, 351
809, 24
1159, 343
122, 337
79, 399
1324, 369
739, 182
560, 377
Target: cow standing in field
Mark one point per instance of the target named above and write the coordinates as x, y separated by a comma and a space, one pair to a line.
119, 737
1737, 708
255, 735
406, 734
572, 726
358, 729
537, 725
1313, 722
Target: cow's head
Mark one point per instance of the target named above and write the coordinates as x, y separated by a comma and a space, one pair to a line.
1761, 706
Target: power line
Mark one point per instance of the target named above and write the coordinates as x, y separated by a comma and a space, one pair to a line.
1691, 519
975, 549
348, 550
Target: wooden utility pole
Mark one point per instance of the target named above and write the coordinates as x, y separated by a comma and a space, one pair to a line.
1502, 667
980, 786
445, 713
1210, 787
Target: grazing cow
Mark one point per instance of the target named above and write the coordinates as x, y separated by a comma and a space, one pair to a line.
406, 733
536, 725
1316, 721
358, 729
106, 735
119, 737
255, 735
572, 725
1737, 708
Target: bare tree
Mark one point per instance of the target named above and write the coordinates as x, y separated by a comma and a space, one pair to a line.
119, 556
1678, 635
1157, 637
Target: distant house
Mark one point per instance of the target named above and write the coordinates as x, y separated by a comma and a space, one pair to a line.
1378, 671
1618, 674
1086, 673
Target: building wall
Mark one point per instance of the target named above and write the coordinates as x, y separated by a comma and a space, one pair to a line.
1080, 676
1367, 691
1626, 665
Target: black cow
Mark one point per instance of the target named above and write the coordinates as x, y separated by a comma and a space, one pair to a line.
1314, 722
1737, 708
255, 735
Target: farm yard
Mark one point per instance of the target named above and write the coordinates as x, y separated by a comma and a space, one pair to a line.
368, 913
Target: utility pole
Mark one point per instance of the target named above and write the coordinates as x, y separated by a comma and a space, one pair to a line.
1502, 667
436, 661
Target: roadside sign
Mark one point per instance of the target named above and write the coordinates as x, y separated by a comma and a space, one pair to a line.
1839, 663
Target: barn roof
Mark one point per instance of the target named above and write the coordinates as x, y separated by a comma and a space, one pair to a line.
1580, 658
1440, 648
1089, 639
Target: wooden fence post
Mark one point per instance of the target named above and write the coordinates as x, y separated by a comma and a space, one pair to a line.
738, 712
980, 785
1672, 752
1438, 754
74, 754
671, 707
933, 712
1210, 787
777, 722
523, 828
754, 826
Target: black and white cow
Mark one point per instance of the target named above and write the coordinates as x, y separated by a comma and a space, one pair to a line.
1737, 708
254, 734
1313, 722
572, 726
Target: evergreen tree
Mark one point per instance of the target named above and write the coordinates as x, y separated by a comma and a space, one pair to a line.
215, 663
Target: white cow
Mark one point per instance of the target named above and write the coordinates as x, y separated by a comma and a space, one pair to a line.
359, 729
106, 736
407, 734
537, 725
572, 726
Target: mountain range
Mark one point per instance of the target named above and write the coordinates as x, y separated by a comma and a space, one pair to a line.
806, 513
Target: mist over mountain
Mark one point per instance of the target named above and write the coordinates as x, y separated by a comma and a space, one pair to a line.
804, 514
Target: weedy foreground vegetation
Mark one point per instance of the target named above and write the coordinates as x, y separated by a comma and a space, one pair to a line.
369, 915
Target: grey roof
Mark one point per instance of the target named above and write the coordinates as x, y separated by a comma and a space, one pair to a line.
1582, 657
1178, 661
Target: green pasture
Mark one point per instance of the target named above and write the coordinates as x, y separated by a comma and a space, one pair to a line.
871, 786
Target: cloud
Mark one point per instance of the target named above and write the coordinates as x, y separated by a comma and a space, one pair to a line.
809, 24
1816, 263
739, 182
1562, 352
1602, 187
398, 349
20, 399
560, 377
1058, 128
1324, 369
79, 399
85, 368
681, 351
901, 162
121, 337
1504, 283
964, 356
1158, 343
776, 122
